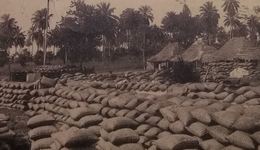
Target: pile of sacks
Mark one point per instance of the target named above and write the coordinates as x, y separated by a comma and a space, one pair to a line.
241, 95
15, 94
41, 129
5, 133
74, 77
215, 126
204, 122
67, 105
118, 133
74, 139
84, 117
126, 85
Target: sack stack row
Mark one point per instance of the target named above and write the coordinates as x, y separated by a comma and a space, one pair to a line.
41, 128
241, 95
118, 133
6, 134
15, 94
74, 139
216, 126
143, 76
187, 116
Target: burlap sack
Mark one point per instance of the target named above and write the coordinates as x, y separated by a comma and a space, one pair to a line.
41, 132
177, 141
40, 120
211, 144
123, 136
241, 139
219, 133
116, 123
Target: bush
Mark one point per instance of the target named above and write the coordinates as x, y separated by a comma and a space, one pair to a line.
183, 72
3, 58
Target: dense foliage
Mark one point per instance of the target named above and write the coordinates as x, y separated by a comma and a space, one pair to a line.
90, 32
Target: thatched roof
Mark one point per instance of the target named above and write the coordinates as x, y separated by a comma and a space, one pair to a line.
237, 48
198, 51
167, 53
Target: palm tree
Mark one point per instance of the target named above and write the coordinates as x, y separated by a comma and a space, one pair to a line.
8, 28
109, 21
146, 12
232, 22
39, 26
252, 22
186, 10
210, 16
19, 39
231, 7
36, 36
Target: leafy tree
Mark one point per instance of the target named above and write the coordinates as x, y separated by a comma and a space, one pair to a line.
156, 39
221, 37
182, 27
131, 23
186, 10
78, 33
146, 12
24, 57
3, 58
109, 26
231, 7
38, 58
253, 25
209, 17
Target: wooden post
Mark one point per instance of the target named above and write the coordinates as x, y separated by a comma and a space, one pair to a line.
45, 33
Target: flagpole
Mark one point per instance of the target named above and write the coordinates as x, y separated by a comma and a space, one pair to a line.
45, 33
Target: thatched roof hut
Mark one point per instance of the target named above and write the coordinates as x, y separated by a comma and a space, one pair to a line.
198, 51
236, 48
170, 51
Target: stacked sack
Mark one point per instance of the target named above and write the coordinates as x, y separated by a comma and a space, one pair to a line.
74, 139
236, 95
118, 133
41, 128
85, 117
5, 133
15, 94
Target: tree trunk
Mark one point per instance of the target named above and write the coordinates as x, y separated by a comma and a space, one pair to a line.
109, 52
231, 28
38, 47
144, 61
66, 56
32, 49
103, 47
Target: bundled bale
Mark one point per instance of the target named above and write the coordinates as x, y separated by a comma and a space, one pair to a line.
5, 132
119, 132
177, 141
41, 128
74, 138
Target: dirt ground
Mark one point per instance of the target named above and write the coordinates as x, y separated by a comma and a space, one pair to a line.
17, 123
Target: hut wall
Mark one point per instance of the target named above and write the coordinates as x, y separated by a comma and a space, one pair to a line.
219, 71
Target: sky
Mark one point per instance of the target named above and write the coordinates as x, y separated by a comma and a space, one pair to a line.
22, 10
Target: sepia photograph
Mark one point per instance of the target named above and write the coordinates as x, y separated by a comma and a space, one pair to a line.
130, 75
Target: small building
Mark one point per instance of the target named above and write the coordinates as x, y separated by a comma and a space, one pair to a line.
164, 57
238, 58
196, 52
194, 55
